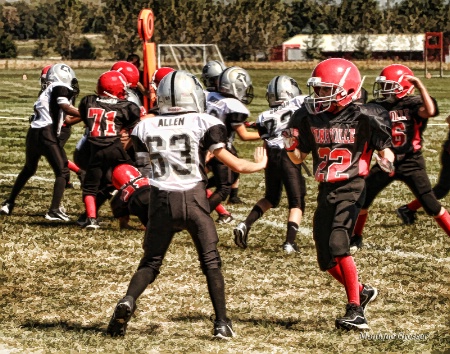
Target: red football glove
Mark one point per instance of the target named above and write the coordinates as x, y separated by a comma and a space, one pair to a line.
250, 124
290, 138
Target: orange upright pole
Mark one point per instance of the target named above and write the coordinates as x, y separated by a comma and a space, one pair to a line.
146, 21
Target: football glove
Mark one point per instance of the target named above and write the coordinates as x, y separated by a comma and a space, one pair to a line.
250, 124
386, 165
290, 138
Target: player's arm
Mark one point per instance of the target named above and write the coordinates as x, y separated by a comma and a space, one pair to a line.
242, 165
244, 134
71, 120
296, 156
429, 108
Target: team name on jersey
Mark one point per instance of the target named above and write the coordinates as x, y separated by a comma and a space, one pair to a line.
107, 100
401, 114
334, 135
167, 122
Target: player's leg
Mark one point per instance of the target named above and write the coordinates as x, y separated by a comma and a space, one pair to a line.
53, 153
273, 182
417, 180
376, 181
33, 152
407, 212
158, 236
223, 179
203, 232
295, 186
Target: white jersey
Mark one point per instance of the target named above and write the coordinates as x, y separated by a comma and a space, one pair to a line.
229, 110
46, 106
272, 122
177, 145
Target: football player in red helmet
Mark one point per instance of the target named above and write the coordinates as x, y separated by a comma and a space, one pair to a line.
130, 71
159, 74
327, 126
105, 115
133, 195
409, 114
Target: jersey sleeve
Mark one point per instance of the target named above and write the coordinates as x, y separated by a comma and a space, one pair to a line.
299, 121
82, 108
381, 137
142, 155
215, 137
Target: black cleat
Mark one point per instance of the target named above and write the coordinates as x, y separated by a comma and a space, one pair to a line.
224, 219
7, 208
290, 248
354, 319
240, 235
223, 330
91, 224
367, 295
57, 215
235, 200
356, 243
122, 314
407, 215
69, 185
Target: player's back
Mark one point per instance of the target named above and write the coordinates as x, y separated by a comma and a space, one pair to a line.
177, 145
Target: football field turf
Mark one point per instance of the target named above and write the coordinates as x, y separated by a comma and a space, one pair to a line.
59, 283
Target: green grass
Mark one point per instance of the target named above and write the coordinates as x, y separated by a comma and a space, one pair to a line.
59, 284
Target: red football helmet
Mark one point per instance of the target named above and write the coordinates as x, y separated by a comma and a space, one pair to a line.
334, 83
123, 174
43, 78
130, 71
392, 82
112, 84
159, 74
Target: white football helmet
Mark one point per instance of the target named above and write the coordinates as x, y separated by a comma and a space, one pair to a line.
211, 72
62, 73
281, 88
180, 92
236, 82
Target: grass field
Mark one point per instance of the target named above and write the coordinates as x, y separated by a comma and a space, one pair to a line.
59, 284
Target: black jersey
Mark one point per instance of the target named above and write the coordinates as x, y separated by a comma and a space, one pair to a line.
342, 144
106, 117
407, 125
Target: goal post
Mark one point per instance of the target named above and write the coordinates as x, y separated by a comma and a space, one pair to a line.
189, 57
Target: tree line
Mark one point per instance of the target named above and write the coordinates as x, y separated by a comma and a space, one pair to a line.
241, 28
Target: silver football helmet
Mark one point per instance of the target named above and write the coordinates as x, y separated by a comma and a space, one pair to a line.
281, 88
236, 82
211, 72
62, 73
180, 92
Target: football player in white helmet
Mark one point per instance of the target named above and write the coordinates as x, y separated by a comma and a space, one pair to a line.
171, 150
284, 98
210, 74
234, 90
51, 109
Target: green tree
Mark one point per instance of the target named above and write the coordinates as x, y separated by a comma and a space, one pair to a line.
358, 16
8, 49
362, 48
40, 49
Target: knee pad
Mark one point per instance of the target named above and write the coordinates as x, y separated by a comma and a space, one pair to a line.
210, 260
339, 242
430, 204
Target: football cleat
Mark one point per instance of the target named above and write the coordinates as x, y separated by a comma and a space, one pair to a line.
290, 248
354, 319
407, 215
224, 219
356, 243
82, 219
240, 235
69, 185
367, 295
223, 329
91, 224
235, 200
6, 208
122, 314
57, 215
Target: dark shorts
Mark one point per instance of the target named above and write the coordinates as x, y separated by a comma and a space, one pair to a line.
281, 171
338, 206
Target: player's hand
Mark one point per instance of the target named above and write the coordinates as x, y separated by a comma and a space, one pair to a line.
386, 165
250, 124
414, 80
260, 155
290, 140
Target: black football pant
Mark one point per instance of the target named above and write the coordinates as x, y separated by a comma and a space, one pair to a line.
223, 178
169, 213
442, 187
64, 135
42, 142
